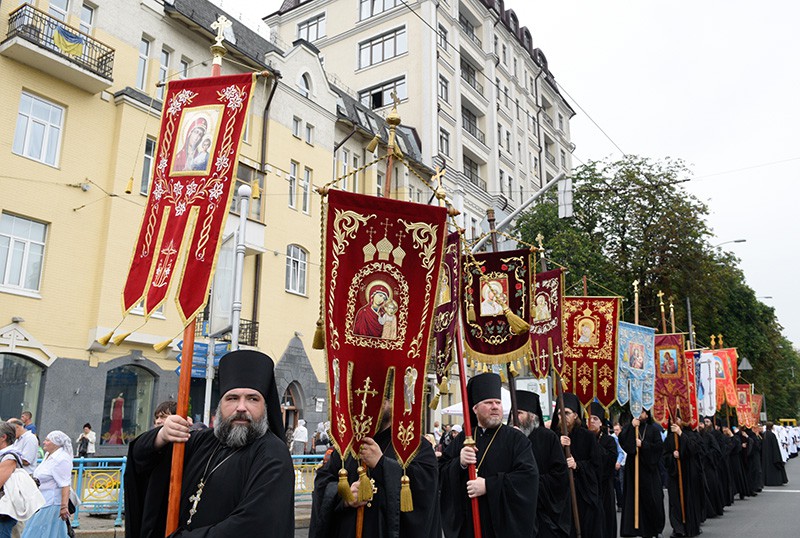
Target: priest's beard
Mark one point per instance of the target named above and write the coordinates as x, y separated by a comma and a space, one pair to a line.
529, 423
239, 435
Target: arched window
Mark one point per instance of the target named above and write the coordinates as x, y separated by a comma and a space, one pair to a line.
292, 405
305, 85
20, 379
128, 404
296, 264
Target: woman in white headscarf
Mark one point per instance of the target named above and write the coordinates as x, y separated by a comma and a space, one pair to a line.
54, 475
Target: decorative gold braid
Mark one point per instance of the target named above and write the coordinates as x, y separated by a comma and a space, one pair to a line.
319, 333
421, 178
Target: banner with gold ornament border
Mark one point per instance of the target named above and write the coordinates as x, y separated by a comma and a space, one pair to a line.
725, 361
382, 263
589, 336
195, 163
445, 319
755, 408
675, 388
744, 413
636, 369
547, 295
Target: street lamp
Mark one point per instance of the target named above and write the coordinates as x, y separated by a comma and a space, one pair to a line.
764, 297
731, 241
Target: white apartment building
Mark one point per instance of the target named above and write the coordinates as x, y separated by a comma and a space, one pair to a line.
469, 78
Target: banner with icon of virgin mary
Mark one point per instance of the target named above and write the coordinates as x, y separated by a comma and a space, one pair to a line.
546, 296
636, 369
195, 162
589, 335
382, 269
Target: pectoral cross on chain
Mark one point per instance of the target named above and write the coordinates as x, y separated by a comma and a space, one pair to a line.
364, 393
195, 500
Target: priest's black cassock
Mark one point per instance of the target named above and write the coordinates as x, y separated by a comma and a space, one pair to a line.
724, 466
330, 518
772, 461
651, 493
754, 471
737, 469
747, 449
605, 473
246, 489
586, 454
710, 459
689, 451
506, 463
553, 513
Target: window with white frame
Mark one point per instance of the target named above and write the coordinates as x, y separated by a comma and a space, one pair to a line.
22, 243
138, 310
297, 126
163, 72
306, 190
304, 85
560, 122
309, 134
59, 9
370, 8
141, 70
379, 184
38, 131
247, 175
356, 164
87, 18
312, 29
444, 89
293, 169
184, 68
504, 56
296, 269
381, 95
345, 161
443, 37
444, 142
502, 182
383, 47
147, 166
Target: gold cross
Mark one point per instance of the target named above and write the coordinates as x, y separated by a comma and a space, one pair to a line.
635, 286
660, 297
719, 337
220, 25
366, 391
539, 240
395, 99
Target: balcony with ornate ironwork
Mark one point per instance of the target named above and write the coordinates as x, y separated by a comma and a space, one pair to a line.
248, 330
43, 42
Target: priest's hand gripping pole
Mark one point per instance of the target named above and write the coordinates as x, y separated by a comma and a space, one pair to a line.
567, 452
185, 381
468, 440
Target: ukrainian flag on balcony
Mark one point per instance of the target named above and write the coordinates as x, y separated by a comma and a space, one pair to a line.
67, 42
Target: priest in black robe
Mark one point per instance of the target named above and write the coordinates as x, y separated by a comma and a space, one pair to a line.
238, 477
508, 479
745, 455
771, 460
724, 466
553, 514
598, 425
754, 471
710, 459
585, 463
332, 517
650, 449
687, 454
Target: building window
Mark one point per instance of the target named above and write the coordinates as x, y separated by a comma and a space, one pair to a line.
505, 94
508, 141
247, 175
21, 252
59, 9
470, 75
502, 182
304, 85
293, 166
306, 188
560, 122
87, 18
444, 142
379, 184
383, 47
163, 71
504, 55
297, 125
444, 89
472, 172
141, 71
309, 134
312, 29
147, 166
128, 407
381, 95
370, 8
21, 379
38, 132
496, 45
563, 159
356, 164
345, 161
515, 67
296, 264
184, 69
443, 37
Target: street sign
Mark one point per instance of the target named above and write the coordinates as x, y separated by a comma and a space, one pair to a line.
200, 355
198, 372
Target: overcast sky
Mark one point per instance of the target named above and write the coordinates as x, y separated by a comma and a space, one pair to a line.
714, 83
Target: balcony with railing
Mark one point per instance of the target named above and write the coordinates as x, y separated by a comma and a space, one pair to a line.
472, 81
43, 42
248, 331
469, 30
550, 158
475, 179
472, 129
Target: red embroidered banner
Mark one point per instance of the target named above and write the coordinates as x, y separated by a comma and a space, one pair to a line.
446, 316
546, 297
492, 282
196, 159
725, 361
589, 336
755, 408
382, 263
675, 389
744, 409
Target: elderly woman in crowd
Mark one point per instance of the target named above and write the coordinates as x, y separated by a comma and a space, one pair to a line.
54, 475
7, 465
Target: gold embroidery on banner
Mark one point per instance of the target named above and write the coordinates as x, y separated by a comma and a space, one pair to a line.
405, 434
606, 309
401, 296
426, 240
362, 423
341, 425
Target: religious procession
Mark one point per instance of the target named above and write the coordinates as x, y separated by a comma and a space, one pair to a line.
627, 424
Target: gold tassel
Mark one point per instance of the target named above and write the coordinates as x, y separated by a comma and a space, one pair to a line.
444, 386
129, 186
518, 325
120, 338
517, 365
319, 336
434, 402
406, 502
256, 190
364, 485
103, 340
344, 487
512, 370
161, 346
503, 378
471, 313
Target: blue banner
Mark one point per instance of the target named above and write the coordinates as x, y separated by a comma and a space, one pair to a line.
636, 369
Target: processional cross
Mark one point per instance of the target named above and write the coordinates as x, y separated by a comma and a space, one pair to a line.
220, 25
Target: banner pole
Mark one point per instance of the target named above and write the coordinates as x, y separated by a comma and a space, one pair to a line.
567, 452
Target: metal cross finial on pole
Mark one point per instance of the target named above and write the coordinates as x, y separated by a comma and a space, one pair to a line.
217, 48
672, 314
636, 302
220, 25
663, 313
